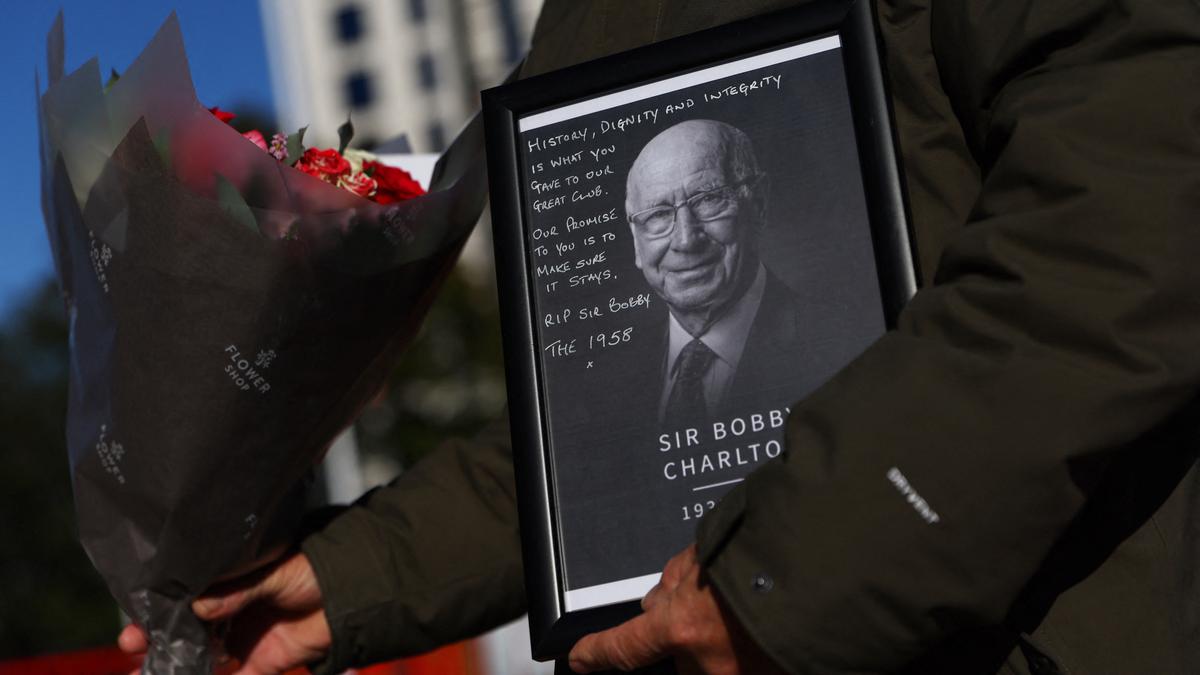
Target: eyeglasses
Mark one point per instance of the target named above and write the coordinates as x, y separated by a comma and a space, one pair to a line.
714, 204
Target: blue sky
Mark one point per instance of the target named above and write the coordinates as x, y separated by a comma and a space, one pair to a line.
228, 60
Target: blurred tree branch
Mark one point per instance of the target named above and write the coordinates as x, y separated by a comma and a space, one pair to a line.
51, 599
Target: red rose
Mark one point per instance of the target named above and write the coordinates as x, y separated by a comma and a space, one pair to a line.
395, 185
256, 137
359, 183
328, 165
222, 115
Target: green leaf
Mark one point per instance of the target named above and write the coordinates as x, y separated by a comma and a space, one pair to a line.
345, 133
295, 146
237, 208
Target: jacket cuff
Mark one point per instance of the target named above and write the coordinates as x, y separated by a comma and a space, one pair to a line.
343, 580
430, 559
750, 590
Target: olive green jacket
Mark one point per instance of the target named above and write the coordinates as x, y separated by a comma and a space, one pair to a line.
1040, 392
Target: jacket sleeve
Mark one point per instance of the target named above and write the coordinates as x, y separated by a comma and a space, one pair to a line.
924, 485
432, 558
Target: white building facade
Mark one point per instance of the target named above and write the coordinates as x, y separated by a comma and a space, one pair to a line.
410, 67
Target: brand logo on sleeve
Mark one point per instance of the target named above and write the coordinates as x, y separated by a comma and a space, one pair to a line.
910, 495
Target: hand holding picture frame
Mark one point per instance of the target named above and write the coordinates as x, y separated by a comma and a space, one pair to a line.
690, 237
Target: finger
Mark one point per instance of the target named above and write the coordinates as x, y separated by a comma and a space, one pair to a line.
220, 604
291, 585
279, 650
254, 669
269, 657
225, 600
678, 567
671, 574
132, 640
636, 643
652, 597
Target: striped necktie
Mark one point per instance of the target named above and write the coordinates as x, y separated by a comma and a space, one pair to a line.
686, 405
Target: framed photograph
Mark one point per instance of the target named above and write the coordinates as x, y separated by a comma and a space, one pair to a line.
690, 237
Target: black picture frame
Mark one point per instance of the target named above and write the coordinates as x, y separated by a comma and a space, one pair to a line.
554, 627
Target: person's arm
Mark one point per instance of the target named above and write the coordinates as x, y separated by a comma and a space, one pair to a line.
926, 483
432, 558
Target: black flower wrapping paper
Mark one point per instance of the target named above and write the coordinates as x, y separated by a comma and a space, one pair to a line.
229, 316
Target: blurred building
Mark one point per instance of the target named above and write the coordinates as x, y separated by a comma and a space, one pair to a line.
398, 66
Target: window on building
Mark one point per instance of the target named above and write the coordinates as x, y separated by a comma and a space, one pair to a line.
416, 10
426, 72
349, 22
360, 91
437, 137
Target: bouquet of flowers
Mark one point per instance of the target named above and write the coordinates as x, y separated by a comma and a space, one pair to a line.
233, 302
358, 171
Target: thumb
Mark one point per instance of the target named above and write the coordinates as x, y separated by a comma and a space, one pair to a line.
222, 603
290, 584
634, 644
132, 640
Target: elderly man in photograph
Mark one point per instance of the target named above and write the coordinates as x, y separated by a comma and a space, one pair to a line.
696, 204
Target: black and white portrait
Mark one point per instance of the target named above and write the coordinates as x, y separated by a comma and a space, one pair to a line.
701, 259
697, 201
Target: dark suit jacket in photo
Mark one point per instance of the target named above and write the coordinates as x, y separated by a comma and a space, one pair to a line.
792, 348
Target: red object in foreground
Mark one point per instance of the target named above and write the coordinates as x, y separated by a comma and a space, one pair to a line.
95, 662
453, 660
